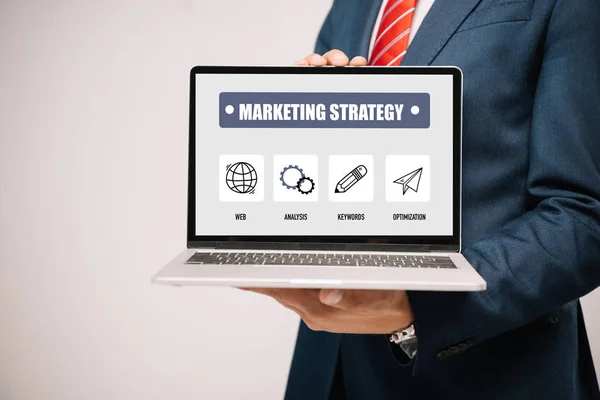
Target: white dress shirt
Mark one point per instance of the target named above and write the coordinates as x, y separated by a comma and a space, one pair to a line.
421, 10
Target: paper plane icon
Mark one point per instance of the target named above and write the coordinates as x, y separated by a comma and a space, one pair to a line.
410, 181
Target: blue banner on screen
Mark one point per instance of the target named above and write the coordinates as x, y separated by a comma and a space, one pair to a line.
324, 110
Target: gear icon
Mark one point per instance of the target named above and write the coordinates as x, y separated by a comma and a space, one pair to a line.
291, 174
305, 185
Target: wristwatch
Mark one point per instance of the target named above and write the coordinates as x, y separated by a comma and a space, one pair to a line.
407, 340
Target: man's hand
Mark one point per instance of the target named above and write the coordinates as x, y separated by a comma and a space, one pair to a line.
346, 311
335, 58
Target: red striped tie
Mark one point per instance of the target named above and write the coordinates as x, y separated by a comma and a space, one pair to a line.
394, 30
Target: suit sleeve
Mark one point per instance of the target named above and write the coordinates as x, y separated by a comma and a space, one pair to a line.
550, 255
324, 39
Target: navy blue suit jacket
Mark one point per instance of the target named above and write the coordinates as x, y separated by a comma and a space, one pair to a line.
531, 211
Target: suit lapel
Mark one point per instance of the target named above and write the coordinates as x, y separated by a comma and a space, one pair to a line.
361, 27
437, 28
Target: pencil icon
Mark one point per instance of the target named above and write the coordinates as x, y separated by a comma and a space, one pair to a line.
351, 179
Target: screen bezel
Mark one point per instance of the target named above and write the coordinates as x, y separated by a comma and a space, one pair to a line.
349, 242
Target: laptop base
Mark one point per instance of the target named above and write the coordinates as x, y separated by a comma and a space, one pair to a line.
460, 278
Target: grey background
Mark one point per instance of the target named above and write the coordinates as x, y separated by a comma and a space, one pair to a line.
93, 140
266, 218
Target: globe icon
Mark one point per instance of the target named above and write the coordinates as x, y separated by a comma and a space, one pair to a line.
241, 177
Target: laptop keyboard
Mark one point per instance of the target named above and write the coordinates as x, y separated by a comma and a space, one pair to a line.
332, 259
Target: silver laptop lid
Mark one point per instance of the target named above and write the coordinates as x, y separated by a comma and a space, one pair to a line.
325, 158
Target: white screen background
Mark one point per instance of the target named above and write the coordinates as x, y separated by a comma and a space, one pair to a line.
214, 217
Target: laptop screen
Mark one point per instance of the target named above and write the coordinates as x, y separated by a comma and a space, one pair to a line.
324, 153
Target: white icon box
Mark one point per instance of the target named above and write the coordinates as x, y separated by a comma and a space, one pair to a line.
407, 178
295, 178
241, 178
351, 178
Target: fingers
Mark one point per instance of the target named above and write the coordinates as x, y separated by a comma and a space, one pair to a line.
313, 302
336, 58
305, 300
312, 59
265, 291
345, 311
362, 300
302, 62
283, 294
358, 61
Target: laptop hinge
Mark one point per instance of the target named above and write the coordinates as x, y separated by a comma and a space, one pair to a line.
405, 248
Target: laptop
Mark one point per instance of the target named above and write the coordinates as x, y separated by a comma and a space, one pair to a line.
304, 177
